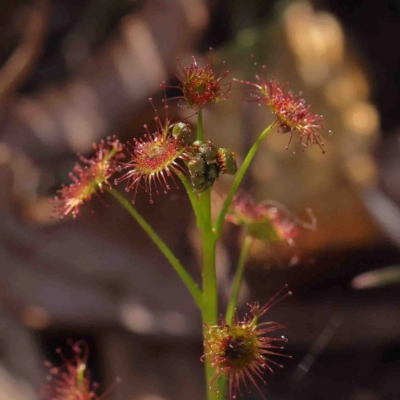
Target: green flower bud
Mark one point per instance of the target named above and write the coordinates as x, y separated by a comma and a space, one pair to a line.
197, 168
226, 160
199, 183
208, 151
203, 167
182, 133
212, 172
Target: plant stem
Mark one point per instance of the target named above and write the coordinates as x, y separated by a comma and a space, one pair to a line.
200, 125
237, 280
210, 298
208, 244
169, 255
238, 179
194, 201
209, 276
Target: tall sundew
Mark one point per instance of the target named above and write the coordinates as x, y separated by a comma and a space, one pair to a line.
88, 178
267, 220
201, 86
242, 349
292, 113
154, 158
72, 380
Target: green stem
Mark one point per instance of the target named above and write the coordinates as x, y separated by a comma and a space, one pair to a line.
209, 276
210, 298
200, 125
169, 255
237, 280
194, 201
238, 179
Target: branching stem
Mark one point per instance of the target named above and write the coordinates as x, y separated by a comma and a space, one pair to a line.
238, 180
238, 278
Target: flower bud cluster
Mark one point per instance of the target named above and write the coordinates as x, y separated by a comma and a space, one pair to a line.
207, 162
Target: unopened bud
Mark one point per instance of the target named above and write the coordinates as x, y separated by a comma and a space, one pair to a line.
207, 151
182, 133
226, 160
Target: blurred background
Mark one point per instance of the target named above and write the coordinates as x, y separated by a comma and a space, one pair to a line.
74, 71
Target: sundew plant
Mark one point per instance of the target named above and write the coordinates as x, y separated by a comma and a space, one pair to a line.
239, 351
